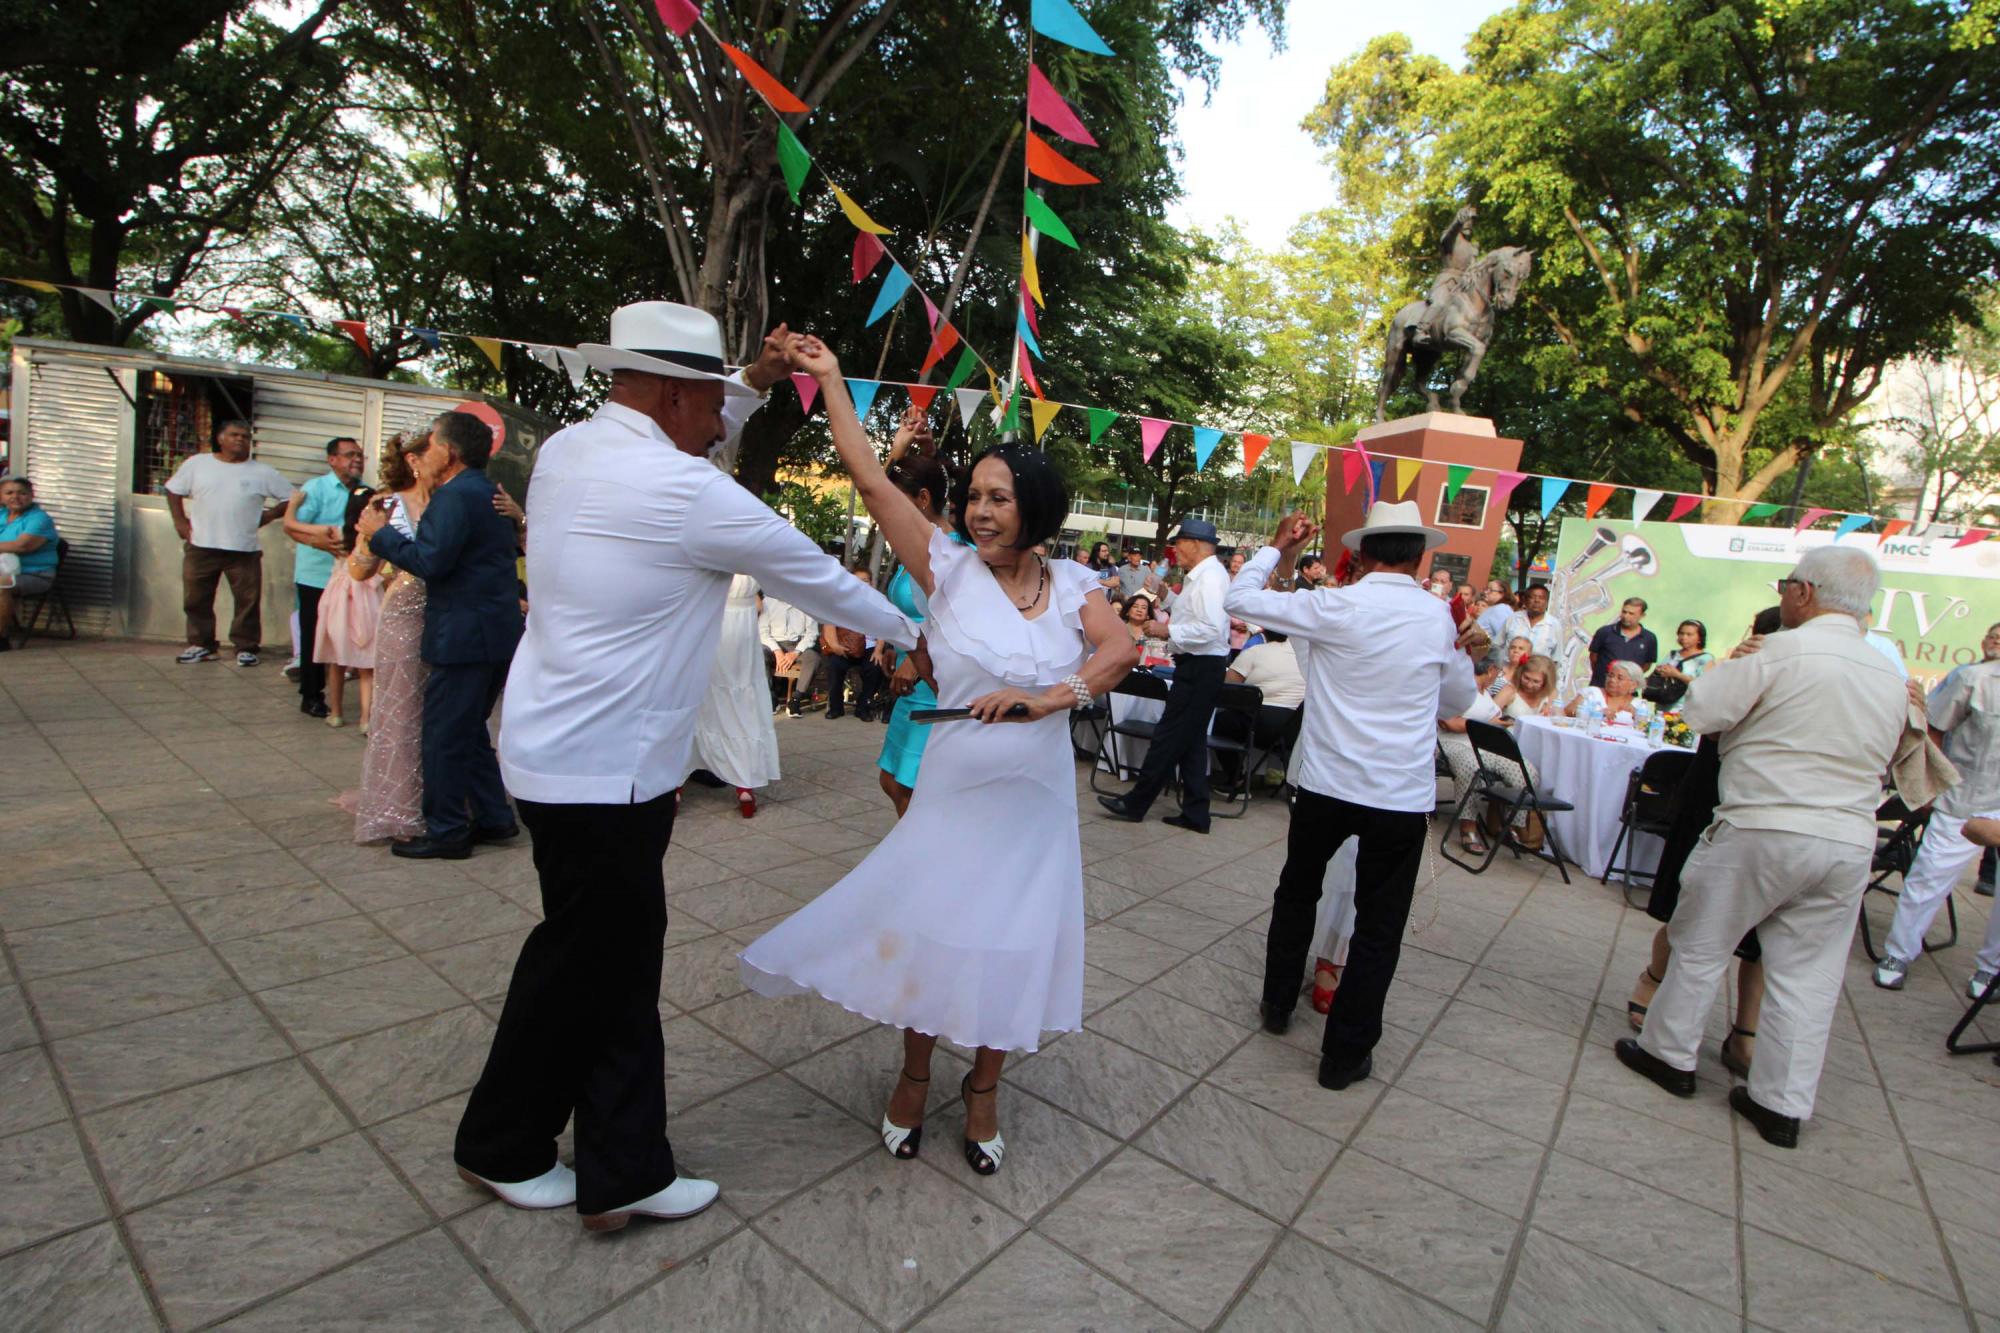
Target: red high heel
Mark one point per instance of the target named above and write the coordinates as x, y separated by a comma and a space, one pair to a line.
1322, 996
746, 801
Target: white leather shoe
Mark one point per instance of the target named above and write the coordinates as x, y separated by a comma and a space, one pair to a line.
554, 1188
684, 1198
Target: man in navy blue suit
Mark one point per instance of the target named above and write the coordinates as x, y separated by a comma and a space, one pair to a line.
464, 552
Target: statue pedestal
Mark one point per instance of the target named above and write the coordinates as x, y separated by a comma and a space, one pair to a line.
1473, 525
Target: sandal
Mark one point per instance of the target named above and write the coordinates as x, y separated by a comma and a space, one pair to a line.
1734, 1063
1470, 840
903, 1141
1322, 996
1635, 1011
982, 1155
746, 801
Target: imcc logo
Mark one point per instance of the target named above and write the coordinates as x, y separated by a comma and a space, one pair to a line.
1922, 548
1736, 544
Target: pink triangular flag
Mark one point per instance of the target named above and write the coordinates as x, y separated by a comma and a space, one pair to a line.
1810, 517
1683, 506
808, 388
1028, 371
1151, 431
1028, 310
680, 15
1972, 536
1503, 486
1350, 469
867, 254
930, 311
1047, 105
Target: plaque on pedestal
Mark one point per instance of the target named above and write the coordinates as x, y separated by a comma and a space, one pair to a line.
1470, 522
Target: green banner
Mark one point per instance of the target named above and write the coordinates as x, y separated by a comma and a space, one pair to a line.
1935, 605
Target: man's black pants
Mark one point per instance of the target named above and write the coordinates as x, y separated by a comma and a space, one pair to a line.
580, 1032
867, 682
312, 676
1385, 879
1180, 739
462, 786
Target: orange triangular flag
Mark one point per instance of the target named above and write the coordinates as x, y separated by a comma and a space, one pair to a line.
1031, 275
777, 94
946, 339
855, 215
490, 346
1599, 493
1253, 449
1052, 166
921, 395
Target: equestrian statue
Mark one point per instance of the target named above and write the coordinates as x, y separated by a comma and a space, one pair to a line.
1470, 290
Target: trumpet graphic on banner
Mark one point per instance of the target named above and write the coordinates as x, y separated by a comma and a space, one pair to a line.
1575, 598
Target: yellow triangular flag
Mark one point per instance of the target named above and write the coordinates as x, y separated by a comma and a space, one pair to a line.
490, 346
1043, 411
1031, 276
39, 286
1407, 471
993, 387
856, 216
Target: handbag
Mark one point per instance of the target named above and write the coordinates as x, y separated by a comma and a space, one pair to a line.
1666, 693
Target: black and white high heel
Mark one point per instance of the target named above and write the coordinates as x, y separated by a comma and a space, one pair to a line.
982, 1155
903, 1142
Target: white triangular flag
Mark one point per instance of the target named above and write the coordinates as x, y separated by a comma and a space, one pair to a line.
545, 354
968, 403
1643, 502
1302, 459
99, 295
574, 366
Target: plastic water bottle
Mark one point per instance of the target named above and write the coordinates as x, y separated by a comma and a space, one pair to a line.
1656, 730
1593, 717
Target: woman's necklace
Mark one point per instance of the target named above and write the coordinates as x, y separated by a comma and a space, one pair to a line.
1040, 586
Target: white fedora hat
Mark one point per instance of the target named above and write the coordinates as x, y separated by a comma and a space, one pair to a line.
1389, 518
664, 338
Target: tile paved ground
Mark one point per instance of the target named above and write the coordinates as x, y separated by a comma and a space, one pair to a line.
233, 1047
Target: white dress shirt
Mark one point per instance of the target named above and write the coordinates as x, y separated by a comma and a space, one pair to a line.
1544, 635
1809, 723
1382, 666
1200, 625
1274, 669
781, 623
635, 543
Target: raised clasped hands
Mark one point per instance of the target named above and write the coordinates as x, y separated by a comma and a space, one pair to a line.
1294, 531
806, 352
773, 360
913, 432
370, 521
993, 707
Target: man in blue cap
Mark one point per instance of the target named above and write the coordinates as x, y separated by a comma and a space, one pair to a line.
1199, 635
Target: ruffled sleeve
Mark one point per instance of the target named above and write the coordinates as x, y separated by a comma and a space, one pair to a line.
971, 614
1074, 584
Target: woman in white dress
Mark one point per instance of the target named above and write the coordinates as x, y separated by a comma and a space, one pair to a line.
734, 737
966, 921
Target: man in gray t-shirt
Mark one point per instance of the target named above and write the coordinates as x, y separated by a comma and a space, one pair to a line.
1131, 574
220, 501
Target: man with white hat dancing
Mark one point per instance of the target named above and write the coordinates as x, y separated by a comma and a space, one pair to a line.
636, 538
1382, 663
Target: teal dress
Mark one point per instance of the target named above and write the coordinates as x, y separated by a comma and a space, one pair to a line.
903, 746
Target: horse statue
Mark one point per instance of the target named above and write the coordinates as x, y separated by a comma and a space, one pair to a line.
1460, 313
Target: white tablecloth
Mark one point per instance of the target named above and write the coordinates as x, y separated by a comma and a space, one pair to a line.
1590, 773
1131, 750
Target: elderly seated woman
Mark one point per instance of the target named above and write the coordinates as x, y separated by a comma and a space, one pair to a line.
1146, 629
27, 550
1465, 763
1621, 687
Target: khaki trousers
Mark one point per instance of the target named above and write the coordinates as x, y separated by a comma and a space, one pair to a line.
201, 568
1801, 893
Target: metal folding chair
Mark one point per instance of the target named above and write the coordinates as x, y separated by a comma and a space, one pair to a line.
1952, 1043
1136, 685
1247, 701
1652, 799
29, 608
1895, 852
1506, 800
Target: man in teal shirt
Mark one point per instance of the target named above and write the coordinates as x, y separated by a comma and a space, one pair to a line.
314, 520
28, 535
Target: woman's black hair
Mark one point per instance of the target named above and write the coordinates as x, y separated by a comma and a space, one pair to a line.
357, 500
1125, 607
922, 472
1699, 628
1039, 493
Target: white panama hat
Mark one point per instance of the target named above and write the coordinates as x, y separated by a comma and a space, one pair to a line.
1391, 518
665, 338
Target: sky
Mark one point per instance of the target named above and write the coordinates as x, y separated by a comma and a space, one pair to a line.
1245, 154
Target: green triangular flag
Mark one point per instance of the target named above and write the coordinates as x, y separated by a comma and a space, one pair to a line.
161, 303
1100, 421
793, 160
1012, 421
1760, 510
1045, 219
1454, 477
967, 363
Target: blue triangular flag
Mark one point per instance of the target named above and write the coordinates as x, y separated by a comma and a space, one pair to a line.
1552, 493
1850, 524
1028, 335
428, 337
1059, 19
1205, 440
1375, 466
294, 320
863, 392
894, 283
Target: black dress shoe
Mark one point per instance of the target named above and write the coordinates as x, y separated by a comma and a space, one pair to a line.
431, 849
1182, 821
1277, 1021
1780, 1131
1116, 807
489, 833
833, 713
1338, 1079
314, 707
1638, 1059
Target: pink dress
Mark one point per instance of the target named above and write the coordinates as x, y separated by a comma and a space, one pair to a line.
349, 612
391, 800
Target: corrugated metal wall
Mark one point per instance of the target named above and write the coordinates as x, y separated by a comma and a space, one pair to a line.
296, 417
76, 413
